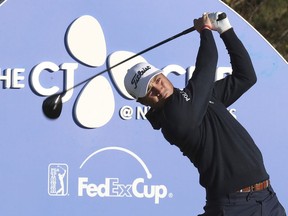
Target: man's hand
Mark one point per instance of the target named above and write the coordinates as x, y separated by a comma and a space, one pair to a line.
220, 25
202, 23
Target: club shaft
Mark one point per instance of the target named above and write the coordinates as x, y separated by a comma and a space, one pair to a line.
137, 54
154, 46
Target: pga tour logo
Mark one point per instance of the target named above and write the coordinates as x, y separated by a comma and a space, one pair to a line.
109, 187
58, 179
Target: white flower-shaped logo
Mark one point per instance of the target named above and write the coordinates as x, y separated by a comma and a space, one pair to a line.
85, 42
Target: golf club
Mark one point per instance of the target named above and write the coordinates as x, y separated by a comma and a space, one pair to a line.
52, 105
2, 2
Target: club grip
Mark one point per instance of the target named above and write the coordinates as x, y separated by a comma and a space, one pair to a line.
221, 16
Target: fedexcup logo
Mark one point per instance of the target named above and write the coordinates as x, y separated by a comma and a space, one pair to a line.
111, 187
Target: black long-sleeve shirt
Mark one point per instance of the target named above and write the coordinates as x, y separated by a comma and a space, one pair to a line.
196, 120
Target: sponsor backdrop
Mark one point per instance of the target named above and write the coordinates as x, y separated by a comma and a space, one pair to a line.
101, 157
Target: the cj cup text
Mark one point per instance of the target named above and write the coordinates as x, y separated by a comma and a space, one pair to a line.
13, 78
112, 188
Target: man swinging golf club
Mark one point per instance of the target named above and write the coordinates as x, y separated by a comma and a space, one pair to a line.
196, 120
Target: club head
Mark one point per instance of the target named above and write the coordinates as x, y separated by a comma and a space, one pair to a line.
52, 106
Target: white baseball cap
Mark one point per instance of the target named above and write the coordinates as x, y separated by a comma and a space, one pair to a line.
138, 77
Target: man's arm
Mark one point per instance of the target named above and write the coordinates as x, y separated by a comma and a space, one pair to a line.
202, 81
229, 89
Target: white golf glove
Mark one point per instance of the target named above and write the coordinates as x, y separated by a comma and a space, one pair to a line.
220, 25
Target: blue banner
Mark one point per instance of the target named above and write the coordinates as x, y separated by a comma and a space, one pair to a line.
101, 156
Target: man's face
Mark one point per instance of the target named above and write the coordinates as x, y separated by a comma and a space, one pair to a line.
159, 89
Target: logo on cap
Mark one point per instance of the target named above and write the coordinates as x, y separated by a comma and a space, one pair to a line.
138, 76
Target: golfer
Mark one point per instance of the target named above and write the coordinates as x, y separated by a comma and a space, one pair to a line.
196, 120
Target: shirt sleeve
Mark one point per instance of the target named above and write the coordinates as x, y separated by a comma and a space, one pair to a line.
201, 84
229, 89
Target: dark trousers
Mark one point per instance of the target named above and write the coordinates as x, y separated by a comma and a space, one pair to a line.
260, 203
